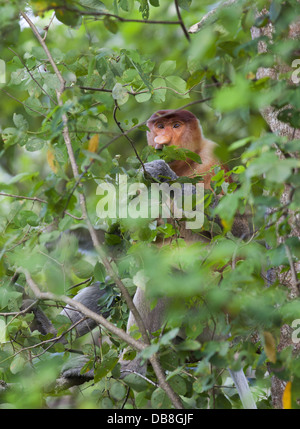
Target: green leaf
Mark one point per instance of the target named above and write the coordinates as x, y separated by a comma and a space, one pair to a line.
111, 24
124, 5
17, 364
34, 144
142, 98
141, 73
150, 351
177, 83
34, 107
69, 18
120, 93
275, 9
178, 384
10, 136
20, 122
107, 404
221, 402
93, 4
240, 143
281, 170
108, 362
144, 8
189, 345
185, 4
99, 272
234, 96
159, 95
160, 400
28, 217
169, 336
117, 390
136, 383
167, 67
3, 337
195, 78
83, 269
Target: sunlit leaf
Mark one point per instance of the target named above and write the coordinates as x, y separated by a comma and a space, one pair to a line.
270, 346
287, 397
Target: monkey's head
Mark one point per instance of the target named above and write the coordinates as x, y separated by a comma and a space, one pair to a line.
174, 128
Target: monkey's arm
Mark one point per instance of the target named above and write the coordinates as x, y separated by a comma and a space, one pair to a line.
90, 297
160, 170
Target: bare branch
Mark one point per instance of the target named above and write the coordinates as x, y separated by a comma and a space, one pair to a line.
23, 104
209, 17
138, 345
111, 15
22, 197
84, 310
181, 21
48, 26
126, 136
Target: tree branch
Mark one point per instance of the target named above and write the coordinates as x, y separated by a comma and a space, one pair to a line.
181, 21
23, 104
138, 345
111, 15
209, 17
22, 197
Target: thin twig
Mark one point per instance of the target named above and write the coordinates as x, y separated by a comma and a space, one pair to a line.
135, 93
139, 375
19, 313
126, 136
23, 104
22, 197
111, 15
210, 16
181, 21
48, 26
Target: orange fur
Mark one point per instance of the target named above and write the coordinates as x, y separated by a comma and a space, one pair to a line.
182, 128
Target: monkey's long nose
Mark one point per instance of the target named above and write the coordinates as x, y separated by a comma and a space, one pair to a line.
161, 140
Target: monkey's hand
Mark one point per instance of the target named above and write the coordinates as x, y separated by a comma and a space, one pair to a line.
160, 171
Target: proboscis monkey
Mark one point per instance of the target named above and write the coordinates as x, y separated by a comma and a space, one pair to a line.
181, 128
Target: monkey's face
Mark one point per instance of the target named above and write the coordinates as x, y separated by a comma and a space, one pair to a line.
166, 132
173, 128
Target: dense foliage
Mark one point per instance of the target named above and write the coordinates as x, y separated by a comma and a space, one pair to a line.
118, 68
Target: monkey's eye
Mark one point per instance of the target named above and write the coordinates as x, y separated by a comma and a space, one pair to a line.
161, 126
176, 125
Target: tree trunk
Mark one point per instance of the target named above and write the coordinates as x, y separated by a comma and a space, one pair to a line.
289, 278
